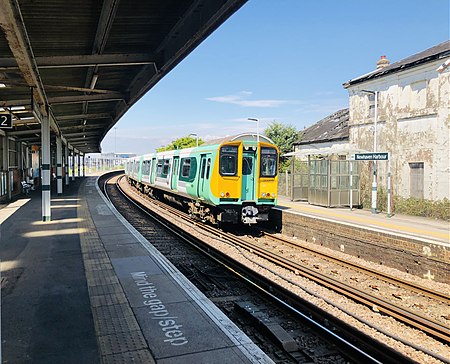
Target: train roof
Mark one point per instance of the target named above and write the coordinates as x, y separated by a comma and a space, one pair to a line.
243, 137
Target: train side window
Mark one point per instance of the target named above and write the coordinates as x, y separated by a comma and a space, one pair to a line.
188, 169
159, 168
228, 160
202, 173
166, 168
269, 158
185, 167
208, 168
146, 168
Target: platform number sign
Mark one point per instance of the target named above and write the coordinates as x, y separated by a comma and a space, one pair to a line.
5, 121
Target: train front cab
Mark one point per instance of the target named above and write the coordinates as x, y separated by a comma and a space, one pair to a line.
259, 181
246, 181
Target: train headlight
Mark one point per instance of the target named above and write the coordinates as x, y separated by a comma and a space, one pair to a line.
263, 194
222, 194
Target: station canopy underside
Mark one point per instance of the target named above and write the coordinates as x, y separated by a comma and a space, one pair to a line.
84, 63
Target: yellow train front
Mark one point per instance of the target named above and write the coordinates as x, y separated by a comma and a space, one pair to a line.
230, 180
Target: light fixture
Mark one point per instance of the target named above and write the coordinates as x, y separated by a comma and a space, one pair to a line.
93, 81
257, 127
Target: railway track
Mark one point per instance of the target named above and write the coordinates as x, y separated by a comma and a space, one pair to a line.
255, 248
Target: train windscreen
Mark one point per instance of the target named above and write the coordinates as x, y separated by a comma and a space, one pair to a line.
269, 158
228, 160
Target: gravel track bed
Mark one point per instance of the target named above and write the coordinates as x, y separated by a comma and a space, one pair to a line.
335, 303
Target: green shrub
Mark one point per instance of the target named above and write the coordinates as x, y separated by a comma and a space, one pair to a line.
407, 206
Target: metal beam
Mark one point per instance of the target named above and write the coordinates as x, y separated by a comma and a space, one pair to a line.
89, 133
13, 26
74, 140
107, 16
83, 116
13, 82
25, 132
114, 96
89, 60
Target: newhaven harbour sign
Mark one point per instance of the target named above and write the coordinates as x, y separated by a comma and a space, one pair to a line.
372, 157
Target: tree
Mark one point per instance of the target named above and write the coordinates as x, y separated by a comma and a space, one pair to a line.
181, 143
284, 137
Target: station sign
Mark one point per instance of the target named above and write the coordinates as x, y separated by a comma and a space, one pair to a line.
372, 156
5, 121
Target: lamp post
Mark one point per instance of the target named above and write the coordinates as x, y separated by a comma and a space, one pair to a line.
374, 181
257, 127
196, 137
115, 139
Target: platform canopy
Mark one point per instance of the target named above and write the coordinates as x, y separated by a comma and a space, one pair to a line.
84, 63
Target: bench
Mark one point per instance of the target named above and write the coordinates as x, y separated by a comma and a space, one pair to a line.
26, 187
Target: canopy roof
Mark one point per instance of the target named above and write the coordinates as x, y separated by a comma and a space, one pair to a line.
84, 63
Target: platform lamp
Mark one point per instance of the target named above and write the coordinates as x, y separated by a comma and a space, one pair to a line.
257, 127
374, 181
196, 137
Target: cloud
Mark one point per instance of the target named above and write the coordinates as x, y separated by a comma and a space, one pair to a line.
241, 99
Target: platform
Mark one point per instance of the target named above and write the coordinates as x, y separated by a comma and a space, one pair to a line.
88, 288
416, 245
416, 227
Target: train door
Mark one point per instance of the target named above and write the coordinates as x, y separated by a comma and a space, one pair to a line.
248, 175
153, 171
203, 179
174, 180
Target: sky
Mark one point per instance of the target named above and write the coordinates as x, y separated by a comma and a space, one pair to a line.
277, 61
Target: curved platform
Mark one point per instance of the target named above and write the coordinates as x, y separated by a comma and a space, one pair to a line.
87, 287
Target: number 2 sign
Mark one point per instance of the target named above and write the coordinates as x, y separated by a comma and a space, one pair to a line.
5, 121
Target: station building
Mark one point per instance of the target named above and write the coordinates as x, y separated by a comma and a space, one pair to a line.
411, 98
413, 124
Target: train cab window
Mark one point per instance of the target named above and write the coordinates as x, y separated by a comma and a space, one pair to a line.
269, 157
247, 166
228, 160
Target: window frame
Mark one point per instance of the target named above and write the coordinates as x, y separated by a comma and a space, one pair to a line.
268, 156
231, 154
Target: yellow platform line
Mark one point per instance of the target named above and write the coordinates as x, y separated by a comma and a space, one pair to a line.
371, 221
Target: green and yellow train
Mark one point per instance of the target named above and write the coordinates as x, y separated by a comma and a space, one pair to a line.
230, 180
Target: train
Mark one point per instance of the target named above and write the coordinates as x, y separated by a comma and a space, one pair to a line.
231, 180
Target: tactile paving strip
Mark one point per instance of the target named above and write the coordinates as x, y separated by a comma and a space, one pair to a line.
119, 335
121, 342
113, 319
139, 356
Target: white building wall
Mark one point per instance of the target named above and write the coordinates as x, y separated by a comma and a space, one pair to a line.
413, 125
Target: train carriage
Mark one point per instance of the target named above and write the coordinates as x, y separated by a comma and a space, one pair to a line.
230, 180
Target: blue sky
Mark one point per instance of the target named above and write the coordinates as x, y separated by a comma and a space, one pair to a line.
277, 60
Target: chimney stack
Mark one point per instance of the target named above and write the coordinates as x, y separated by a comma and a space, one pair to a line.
382, 62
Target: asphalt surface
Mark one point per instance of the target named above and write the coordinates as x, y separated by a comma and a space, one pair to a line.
46, 314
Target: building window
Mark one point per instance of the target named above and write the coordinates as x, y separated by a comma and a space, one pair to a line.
371, 105
416, 179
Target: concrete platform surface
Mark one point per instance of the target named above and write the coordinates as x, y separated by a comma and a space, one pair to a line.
86, 287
